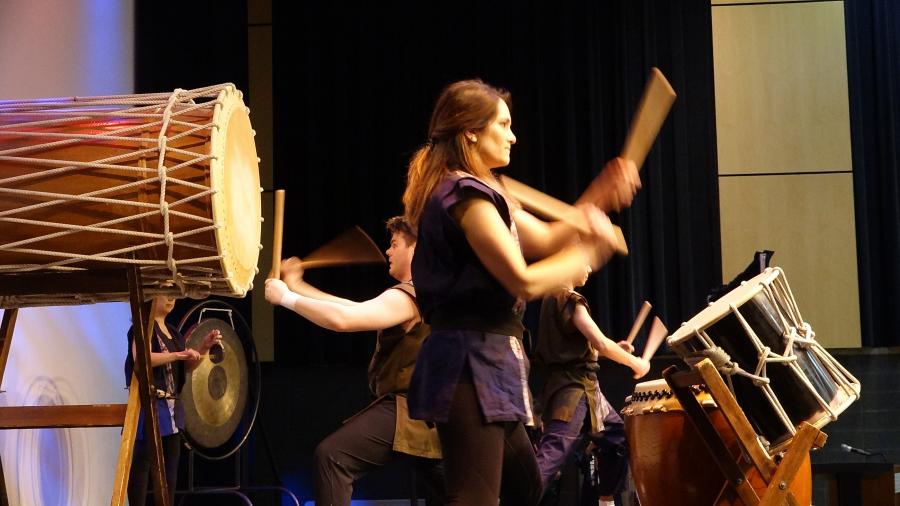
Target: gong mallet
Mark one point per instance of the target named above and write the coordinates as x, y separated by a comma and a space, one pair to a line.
651, 112
556, 209
655, 337
639, 321
275, 272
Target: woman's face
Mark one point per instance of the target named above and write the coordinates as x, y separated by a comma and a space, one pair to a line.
164, 304
494, 142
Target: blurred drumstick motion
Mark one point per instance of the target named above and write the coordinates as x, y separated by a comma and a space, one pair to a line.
648, 119
655, 337
555, 209
639, 321
277, 234
352, 247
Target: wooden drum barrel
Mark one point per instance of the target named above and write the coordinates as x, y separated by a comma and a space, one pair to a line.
168, 182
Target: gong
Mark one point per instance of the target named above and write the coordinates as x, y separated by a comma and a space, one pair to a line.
215, 392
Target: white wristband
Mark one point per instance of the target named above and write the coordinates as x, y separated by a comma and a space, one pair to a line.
288, 299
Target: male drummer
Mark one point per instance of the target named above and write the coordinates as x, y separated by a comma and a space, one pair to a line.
383, 430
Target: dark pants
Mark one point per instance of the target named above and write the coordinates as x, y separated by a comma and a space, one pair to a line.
560, 439
479, 457
139, 478
558, 442
362, 444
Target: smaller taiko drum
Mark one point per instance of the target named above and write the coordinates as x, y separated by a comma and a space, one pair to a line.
768, 355
670, 462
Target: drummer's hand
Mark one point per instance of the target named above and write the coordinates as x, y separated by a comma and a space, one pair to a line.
599, 244
619, 180
625, 345
275, 290
291, 270
213, 338
641, 368
189, 354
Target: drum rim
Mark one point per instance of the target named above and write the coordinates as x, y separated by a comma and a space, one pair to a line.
722, 307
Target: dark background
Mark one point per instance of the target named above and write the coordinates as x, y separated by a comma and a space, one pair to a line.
353, 90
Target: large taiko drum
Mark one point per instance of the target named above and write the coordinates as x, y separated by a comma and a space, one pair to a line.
769, 357
169, 182
670, 463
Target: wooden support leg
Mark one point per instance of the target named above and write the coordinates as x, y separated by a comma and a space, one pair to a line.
142, 316
777, 492
126, 447
6, 333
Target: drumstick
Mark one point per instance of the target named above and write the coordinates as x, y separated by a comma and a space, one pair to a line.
352, 247
555, 209
277, 234
655, 337
639, 321
648, 119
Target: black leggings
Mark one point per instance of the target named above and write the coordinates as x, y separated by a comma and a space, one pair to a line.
139, 478
479, 457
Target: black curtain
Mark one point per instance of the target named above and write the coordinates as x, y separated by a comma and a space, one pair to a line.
354, 88
873, 68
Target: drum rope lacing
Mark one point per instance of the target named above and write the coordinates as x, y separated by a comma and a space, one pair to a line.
796, 332
178, 105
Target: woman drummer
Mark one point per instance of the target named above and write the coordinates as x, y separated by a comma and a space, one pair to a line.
471, 276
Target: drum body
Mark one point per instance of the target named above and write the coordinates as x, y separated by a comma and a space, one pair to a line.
169, 182
670, 462
778, 373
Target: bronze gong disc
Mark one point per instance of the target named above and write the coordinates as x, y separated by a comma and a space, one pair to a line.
215, 392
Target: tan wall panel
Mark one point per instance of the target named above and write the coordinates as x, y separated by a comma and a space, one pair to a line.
263, 312
260, 73
732, 2
781, 88
808, 220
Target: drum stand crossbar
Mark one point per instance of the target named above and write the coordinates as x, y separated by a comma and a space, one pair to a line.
777, 476
74, 283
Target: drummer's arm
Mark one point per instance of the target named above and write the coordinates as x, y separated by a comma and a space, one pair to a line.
162, 358
391, 308
307, 290
605, 346
539, 238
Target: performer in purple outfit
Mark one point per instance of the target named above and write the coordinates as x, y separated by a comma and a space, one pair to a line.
472, 277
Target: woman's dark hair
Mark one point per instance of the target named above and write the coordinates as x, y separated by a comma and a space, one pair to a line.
462, 107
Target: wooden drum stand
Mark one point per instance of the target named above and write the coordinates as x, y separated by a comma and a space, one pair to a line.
777, 476
95, 415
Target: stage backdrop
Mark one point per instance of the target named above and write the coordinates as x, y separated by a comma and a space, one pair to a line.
69, 355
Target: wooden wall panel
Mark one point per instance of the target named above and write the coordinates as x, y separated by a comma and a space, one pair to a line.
784, 153
808, 221
781, 88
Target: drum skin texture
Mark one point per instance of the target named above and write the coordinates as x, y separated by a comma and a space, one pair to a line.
672, 467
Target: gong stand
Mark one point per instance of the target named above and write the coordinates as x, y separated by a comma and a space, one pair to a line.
236, 488
77, 283
777, 476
